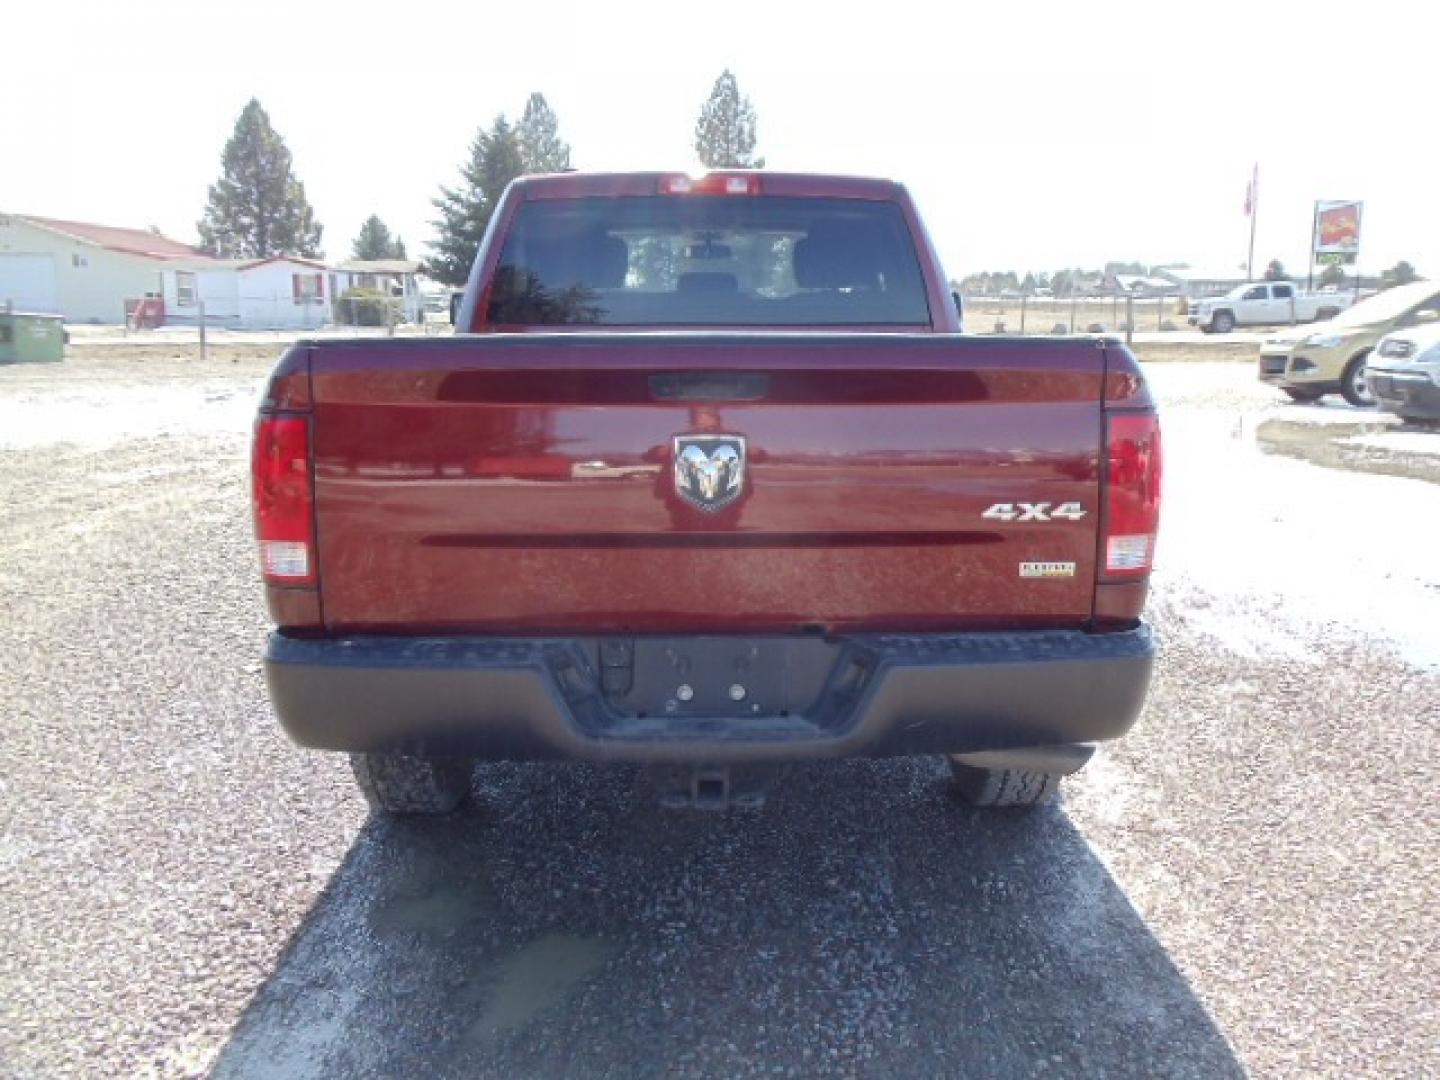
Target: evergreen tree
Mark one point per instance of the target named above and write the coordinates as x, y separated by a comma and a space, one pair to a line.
1332, 275
257, 208
541, 148
374, 241
725, 131
465, 211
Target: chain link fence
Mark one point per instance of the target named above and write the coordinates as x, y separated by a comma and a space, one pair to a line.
1075, 315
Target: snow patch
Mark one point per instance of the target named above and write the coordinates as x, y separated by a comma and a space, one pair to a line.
1243, 634
124, 412
1277, 540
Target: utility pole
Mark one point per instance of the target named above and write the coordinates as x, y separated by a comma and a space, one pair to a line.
1314, 226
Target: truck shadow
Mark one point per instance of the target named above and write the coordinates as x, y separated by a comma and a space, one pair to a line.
862, 923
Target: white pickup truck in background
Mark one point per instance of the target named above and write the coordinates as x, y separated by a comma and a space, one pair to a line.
1264, 303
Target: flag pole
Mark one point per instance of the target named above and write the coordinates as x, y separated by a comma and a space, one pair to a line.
1253, 205
1250, 261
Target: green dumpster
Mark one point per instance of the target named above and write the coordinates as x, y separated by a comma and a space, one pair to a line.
27, 336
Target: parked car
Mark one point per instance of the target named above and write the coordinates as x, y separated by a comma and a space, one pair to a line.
1264, 303
1331, 356
710, 515
1404, 370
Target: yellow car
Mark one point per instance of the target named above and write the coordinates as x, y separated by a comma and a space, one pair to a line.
1310, 362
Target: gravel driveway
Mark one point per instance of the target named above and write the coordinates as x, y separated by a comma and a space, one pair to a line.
1248, 883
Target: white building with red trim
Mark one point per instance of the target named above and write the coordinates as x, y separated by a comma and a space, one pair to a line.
278, 293
82, 271
96, 273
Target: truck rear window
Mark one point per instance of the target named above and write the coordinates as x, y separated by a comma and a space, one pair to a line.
693, 260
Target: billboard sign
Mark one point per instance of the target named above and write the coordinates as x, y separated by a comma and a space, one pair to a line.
1337, 230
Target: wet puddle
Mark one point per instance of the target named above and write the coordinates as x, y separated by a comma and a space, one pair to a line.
1376, 446
541, 975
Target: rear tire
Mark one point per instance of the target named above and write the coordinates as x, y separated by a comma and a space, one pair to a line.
1352, 383
1222, 322
1003, 787
1303, 393
401, 784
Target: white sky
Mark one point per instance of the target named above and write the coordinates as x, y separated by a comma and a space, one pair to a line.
1032, 136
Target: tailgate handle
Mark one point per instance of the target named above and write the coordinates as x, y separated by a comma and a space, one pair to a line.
709, 386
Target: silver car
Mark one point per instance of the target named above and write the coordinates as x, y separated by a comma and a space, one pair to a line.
1404, 372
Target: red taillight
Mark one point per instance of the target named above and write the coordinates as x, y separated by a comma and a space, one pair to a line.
284, 500
713, 184
1132, 501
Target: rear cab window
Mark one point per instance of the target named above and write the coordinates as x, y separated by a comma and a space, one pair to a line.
699, 260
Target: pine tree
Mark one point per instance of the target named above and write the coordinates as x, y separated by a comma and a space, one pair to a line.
725, 131
374, 241
257, 208
497, 156
541, 148
465, 211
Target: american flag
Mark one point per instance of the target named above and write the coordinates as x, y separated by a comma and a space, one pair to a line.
1252, 193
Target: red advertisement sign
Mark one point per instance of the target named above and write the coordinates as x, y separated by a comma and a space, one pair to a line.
1337, 227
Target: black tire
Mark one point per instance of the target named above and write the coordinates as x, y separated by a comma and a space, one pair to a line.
1303, 393
1326, 313
1222, 322
400, 784
1002, 787
1352, 383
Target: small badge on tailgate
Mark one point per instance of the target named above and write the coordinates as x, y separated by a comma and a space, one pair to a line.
1047, 569
709, 469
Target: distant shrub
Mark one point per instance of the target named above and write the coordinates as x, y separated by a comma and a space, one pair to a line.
362, 307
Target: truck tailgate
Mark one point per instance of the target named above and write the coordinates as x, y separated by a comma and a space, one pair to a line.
526, 483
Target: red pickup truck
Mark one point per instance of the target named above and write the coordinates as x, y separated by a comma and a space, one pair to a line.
708, 479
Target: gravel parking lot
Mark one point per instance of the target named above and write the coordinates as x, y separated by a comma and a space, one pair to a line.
1246, 884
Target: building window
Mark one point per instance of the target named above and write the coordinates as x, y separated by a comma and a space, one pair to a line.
184, 288
78, 261
308, 288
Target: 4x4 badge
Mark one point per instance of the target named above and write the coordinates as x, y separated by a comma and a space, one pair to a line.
709, 469
1019, 511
